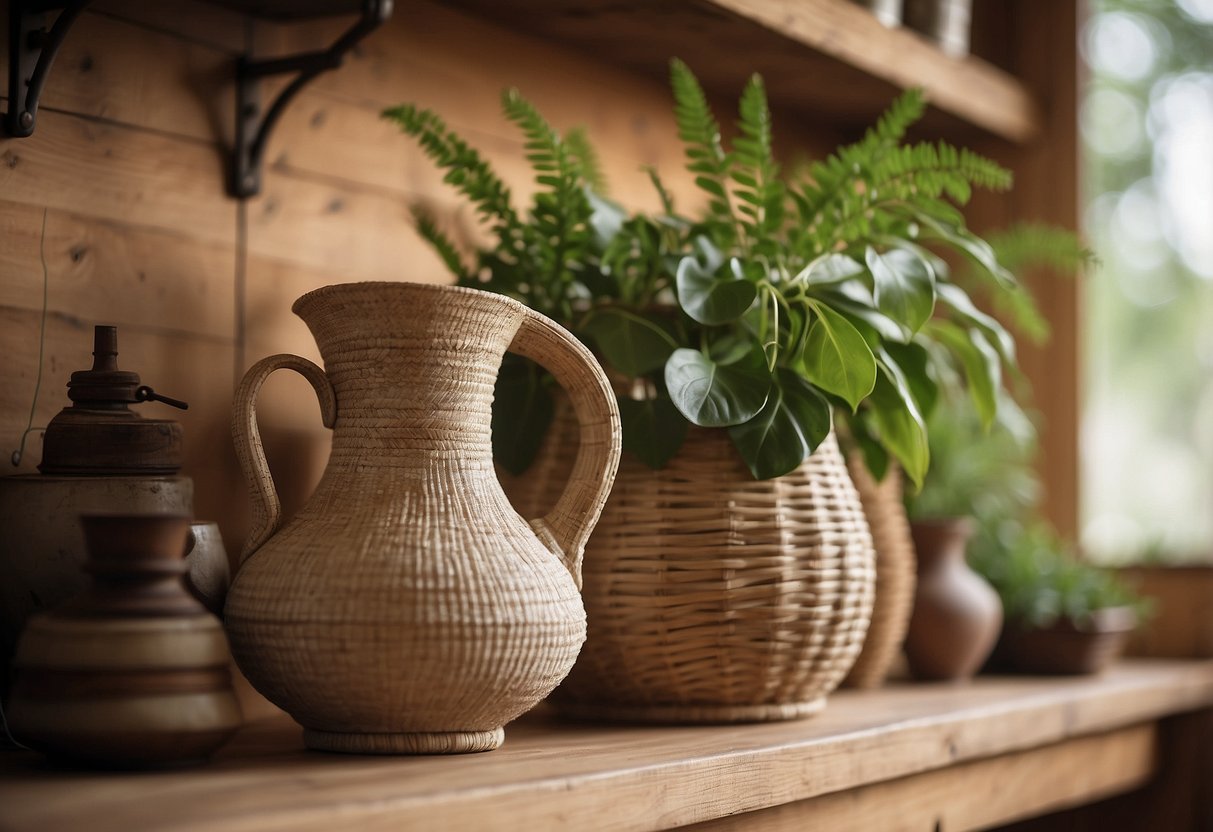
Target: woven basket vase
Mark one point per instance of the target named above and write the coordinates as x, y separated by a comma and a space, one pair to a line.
407, 608
712, 597
895, 573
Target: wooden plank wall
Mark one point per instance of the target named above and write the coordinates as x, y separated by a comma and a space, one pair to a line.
127, 169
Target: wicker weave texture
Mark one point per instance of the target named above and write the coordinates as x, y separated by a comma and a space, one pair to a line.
713, 597
895, 573
407, 607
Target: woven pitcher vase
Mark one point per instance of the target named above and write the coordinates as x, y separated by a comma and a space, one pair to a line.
407, 608
713, 597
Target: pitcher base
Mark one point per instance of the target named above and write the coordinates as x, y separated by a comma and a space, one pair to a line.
444, 742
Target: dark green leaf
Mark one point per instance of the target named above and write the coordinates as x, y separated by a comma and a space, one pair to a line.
913, 360
854, 299
837, 358
630, 343
522, 412
713, 395
653, 430
905, 286
903, 433
790, 426
711, 300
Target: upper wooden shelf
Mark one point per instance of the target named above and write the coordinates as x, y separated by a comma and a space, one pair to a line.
898, 751
827, 60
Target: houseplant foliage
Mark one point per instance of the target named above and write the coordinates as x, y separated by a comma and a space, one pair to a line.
789, 294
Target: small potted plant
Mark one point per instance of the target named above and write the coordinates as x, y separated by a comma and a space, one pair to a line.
1063, 616
731, 575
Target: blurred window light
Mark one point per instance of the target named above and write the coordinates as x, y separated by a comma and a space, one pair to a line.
1146, 124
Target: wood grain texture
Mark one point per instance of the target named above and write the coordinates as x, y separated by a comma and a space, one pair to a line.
103, 71
111, 272
973, 795
116, 173
552, 775
795, 44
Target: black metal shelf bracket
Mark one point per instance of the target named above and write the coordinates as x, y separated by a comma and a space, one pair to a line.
31, 51
253, 127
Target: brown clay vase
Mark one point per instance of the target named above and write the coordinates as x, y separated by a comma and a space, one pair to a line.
134, 673
407, 608
957, 614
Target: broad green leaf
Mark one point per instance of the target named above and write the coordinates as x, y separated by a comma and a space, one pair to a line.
522, 412
837, 358
983, 370
630, 342
959, 300
606, 218
712, 300
790, 426
904, 286
913, 360
853, 298
830, 268
653, 430
731, 347
903, 433
978, 249
715, 395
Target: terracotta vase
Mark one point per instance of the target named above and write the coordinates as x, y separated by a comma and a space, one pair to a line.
134, 672
408, 608
957, 614
714, 597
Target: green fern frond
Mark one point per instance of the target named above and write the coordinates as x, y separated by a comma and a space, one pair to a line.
465, 169
700, 133
583, 153
441, 243
667, 199
558, 233
759, 191
1029, 246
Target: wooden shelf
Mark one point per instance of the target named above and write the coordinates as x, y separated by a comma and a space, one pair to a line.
1061, 742
827, 60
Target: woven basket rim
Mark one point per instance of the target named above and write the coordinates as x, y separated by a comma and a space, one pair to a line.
404, 287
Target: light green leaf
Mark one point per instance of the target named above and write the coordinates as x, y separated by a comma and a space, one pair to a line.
717, 395
837, 358
830, 268
983, 369
959, 300
978, 249
653, 430
629, 342
790, 426
904, 286
712, 300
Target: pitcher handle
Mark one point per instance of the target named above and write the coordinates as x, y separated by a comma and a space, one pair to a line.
566, 528
267, 509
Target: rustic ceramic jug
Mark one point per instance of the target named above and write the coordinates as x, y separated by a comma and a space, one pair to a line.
957, 614
134, 672
408, 608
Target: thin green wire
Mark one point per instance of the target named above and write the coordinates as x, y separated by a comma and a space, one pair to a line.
33, 407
